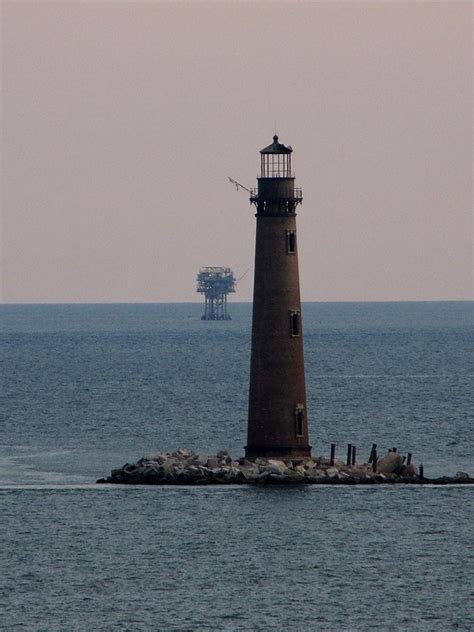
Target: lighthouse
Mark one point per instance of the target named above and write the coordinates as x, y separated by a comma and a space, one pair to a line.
277, 420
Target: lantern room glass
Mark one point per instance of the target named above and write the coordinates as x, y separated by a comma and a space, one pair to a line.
276, 165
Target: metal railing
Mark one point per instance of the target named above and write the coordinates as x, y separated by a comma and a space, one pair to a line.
297, 195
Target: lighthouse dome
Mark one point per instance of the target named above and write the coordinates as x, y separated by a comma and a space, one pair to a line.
276, 148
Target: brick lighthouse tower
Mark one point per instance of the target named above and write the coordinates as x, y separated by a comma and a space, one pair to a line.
277, 423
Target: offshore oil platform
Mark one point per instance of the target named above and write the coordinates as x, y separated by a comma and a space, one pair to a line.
215, 283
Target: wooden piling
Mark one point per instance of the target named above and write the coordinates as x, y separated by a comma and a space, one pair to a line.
353, 455
373, 453
349, 453
333, 453
421, 471
409, 458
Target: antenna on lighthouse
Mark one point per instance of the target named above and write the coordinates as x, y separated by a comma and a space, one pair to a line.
238, 185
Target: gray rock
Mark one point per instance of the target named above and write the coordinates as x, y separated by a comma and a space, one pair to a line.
129, 468
219, 471
233, 475
223, 454
462, 476
332, 472
314, 474
249, 472
169, 465
274, 467
159, 457
390, 463
278, 462
183, 453
292, 476
409, 470
151, 473
192, 472
200, 459
277, 478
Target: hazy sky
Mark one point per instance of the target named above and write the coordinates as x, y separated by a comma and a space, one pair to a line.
121, 122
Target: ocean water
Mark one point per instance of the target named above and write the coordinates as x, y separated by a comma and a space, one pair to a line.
85, 388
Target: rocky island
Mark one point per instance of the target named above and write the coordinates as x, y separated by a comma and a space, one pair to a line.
185, 467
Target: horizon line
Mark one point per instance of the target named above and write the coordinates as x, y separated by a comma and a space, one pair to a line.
456, 300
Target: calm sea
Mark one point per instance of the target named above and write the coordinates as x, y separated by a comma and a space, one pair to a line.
85, 388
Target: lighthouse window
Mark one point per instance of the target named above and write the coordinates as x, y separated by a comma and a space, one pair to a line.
299, 419
290, 241
295, 323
